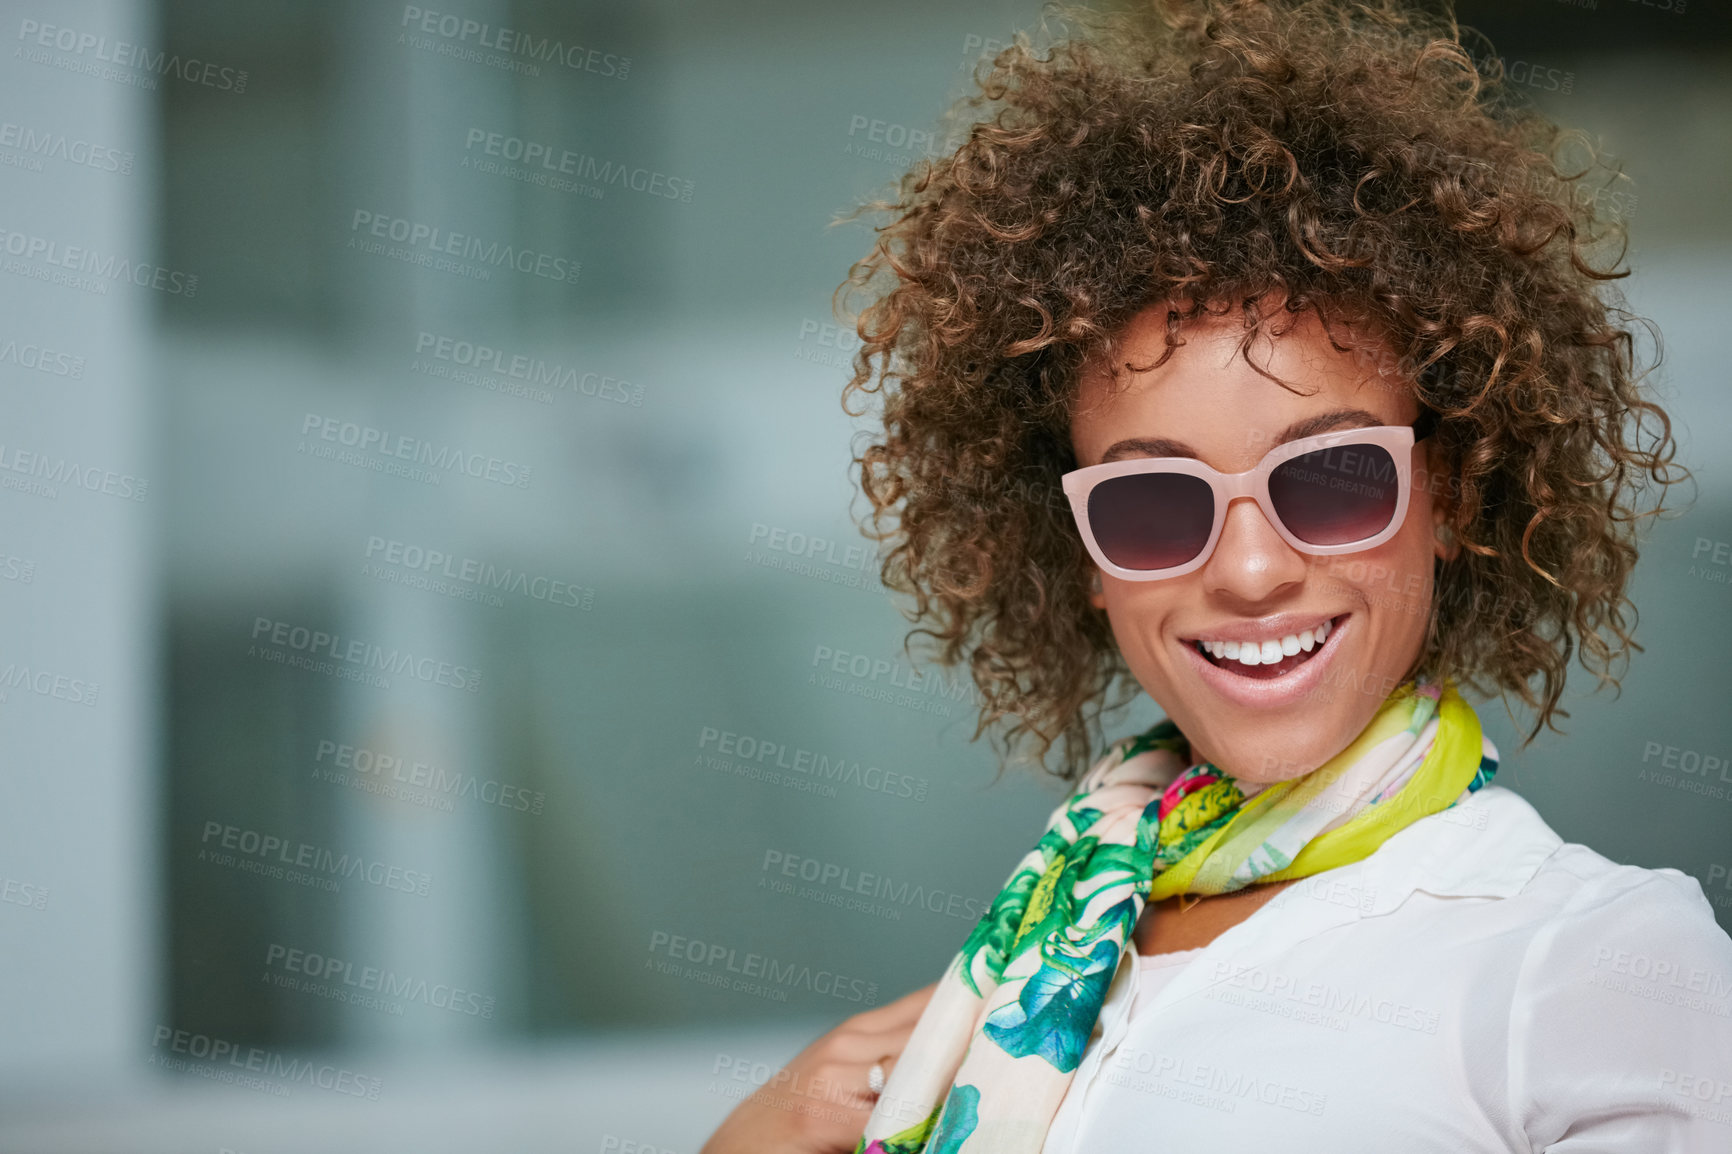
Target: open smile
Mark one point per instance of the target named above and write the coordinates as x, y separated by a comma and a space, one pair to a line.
1267, 663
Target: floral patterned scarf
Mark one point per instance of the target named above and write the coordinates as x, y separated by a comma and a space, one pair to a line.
995, 1050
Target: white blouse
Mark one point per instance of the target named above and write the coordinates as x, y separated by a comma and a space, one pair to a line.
1477, 984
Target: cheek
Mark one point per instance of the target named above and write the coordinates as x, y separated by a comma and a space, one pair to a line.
1393, 586
1137, 610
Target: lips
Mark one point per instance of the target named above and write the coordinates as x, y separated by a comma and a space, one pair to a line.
1265, 684
1273, 656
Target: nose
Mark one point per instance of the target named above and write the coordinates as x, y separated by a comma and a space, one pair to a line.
1251, 562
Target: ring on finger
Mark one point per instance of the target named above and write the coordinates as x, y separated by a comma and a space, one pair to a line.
875, 1076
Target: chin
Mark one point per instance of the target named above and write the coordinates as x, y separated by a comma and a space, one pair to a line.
1278, 757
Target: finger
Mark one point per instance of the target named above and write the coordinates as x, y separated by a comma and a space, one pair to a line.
907, 1008
842, 1084
851, 1059
835, 1084
864, 1085
869, 1046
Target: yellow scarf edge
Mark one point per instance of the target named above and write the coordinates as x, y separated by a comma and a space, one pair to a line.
1453, 758
1447, 769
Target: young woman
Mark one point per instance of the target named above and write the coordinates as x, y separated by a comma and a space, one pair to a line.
1258, 352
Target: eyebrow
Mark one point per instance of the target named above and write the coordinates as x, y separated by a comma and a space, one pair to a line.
1309, 427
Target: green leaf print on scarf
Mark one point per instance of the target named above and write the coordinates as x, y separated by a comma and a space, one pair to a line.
996, 931
1164, 734
1071, 878
1001, 929
1049, 904
959, 1120
1057, 1008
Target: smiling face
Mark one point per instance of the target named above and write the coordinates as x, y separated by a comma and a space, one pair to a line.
1364, 613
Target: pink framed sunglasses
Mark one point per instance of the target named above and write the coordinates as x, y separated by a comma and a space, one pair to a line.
1147, 518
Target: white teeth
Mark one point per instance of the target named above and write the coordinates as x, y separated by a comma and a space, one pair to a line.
1267, 652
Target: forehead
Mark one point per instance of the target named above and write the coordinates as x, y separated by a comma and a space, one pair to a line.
1210, 394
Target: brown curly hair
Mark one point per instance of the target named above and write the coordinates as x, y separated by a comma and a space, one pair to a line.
1346, 157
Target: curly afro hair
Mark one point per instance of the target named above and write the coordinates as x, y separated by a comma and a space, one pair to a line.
1342, 157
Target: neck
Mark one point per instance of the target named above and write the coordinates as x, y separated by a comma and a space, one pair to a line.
1189, 922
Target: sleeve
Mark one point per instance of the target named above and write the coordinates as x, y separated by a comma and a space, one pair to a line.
1621, 1025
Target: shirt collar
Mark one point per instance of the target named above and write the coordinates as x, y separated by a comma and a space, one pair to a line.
1490, 844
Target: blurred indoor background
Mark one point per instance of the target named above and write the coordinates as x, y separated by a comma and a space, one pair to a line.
427, 531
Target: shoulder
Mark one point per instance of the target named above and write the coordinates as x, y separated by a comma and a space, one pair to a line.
1574, 881
1623, 921
1590, 912
1620, 1024
1621, 903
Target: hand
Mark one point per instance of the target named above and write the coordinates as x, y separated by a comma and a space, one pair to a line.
819, 1102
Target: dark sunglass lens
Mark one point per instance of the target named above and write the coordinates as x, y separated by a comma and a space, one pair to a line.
1151, 520
1336, 496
